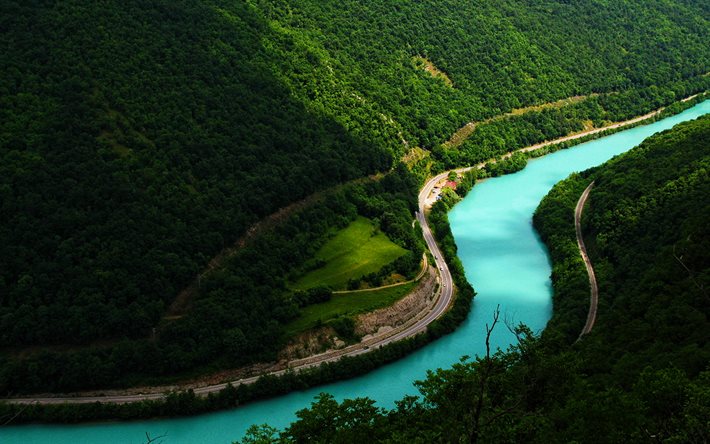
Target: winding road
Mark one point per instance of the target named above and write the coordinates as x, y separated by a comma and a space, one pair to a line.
593, 289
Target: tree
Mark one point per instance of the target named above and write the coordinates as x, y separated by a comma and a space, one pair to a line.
259, 434
327, 421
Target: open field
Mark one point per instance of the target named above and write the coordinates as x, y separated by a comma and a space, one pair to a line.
347, 304
354, 252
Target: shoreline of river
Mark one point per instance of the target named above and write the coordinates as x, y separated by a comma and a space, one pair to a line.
387, 355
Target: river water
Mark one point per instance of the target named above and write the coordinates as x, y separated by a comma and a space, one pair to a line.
503, 258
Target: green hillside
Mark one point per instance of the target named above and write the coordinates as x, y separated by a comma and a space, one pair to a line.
140, 139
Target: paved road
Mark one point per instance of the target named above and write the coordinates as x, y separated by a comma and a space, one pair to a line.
593, 289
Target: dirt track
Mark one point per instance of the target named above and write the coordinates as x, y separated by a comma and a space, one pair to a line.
593, 289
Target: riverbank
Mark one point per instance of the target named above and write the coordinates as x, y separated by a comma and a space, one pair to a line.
176, 400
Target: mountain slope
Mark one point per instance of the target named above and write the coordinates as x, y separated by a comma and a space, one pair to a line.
139, 139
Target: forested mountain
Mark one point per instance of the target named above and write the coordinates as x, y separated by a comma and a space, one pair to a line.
642, 373
139, 139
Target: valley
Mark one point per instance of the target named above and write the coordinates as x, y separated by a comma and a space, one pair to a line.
230, 206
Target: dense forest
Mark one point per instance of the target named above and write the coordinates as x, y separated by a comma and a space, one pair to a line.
641, 375
140, 139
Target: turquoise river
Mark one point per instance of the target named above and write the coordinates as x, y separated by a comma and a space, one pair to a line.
504, 261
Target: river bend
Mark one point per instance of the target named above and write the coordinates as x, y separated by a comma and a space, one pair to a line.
503, 258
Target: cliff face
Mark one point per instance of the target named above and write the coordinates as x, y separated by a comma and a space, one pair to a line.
406, 309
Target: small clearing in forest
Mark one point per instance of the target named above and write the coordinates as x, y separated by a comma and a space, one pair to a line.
428, 66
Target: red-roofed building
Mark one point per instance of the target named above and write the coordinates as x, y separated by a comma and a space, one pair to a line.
450, 184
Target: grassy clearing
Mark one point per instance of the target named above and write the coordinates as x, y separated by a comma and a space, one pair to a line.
348, 304
414, 156
354, 252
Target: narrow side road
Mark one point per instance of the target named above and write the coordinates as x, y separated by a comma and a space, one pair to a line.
593, 289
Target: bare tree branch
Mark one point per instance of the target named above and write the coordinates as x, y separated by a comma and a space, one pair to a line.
154, 440
496, 315
16, 415
485, 372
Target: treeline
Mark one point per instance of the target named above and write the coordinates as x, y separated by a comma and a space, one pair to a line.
132, 151
540, 371
642, 373
499, 56
670, 110
554, 220
649, 236
187, 403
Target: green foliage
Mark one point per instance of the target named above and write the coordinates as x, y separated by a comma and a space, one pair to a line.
467, 181
554, 220
328, 421
227, 325
499, 56
139, 140
509, 165
623, 383
105, 239
313, 295
344, 327
493, 138
645, 228
259, 434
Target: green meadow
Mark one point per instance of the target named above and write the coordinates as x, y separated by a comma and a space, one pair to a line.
354, 251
